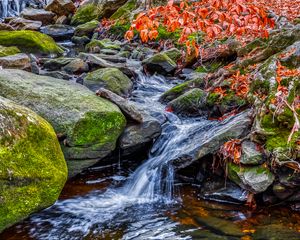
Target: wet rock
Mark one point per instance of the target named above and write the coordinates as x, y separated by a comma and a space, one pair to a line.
281, 191
137, 136
19, 61
61, 7
86, 29
89, 125
6, 51
57, 63
6, 27
33, 170
62, 20
127, 107
30, 41
182, 88
80, 40
160, 63
275, 231
234, 127
251, 154
76, 66
46, 17
110, 78
112, 58
220, 226
58, 32
192, 102
255, 178
217, 189
25, 24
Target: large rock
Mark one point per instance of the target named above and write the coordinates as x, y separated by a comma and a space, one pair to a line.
32, 166
235, 127
160, 63
30, 41
19, 61
61, 7
93, 9
46, 17
110, 78
88, 125
58, 32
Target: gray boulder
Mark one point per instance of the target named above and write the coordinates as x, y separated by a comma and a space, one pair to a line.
46, 17
160, 63
19, 61
87, 125
58, 32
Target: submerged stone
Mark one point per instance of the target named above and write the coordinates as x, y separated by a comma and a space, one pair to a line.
88, 125
32, 166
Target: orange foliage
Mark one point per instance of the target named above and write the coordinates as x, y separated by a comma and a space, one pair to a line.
232, 150
216, 18
240, 84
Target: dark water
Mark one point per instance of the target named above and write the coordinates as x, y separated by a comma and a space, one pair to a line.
135, 199
187, 218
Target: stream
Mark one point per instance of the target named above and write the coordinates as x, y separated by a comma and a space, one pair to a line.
141, 198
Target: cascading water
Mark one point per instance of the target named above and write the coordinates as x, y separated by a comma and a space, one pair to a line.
152, 182
11, 8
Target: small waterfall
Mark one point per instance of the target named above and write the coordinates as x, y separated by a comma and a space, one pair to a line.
12, 8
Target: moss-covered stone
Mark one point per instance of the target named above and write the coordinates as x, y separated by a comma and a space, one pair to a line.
192, 102
182, 88
89, 125
103, 44
85, 13
160, 63
255, 179
32, 166
110, 78
7, 51
30, 41
173, 53
125, 11
86, 29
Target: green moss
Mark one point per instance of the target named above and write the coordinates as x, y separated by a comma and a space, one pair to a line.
6, 51
209, 67
119, 28
277, 135
181, 89
101, 132
85, 14
104, 43
32, 166
86, 28
30, 41
110, 78
125, 11
213, 98
164, 34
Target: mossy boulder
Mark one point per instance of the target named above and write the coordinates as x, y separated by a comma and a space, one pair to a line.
30, 41
85, 13
160, 63
33, 170
110, 78
125, 11
6, 51
180, 89
251, 153
103, 44
86, 29
87, 125
173, 53
192, 102
255, 179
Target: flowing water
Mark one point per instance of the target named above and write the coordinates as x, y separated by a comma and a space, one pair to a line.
144, 203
